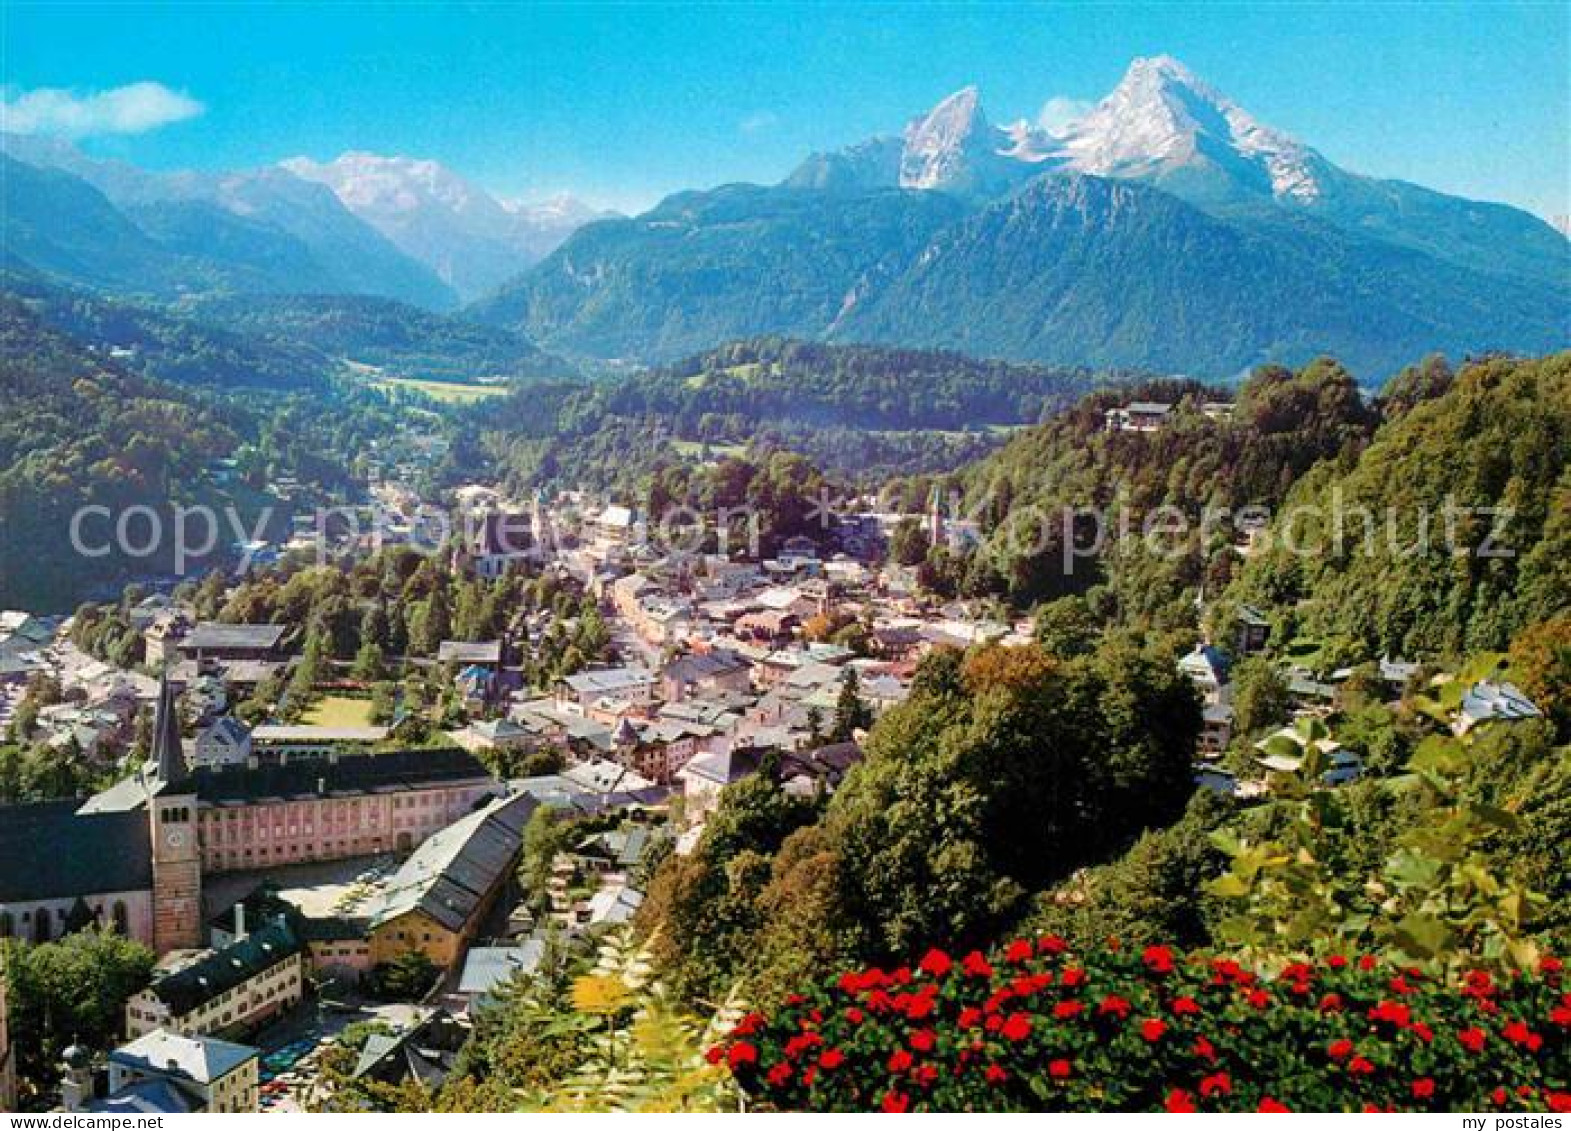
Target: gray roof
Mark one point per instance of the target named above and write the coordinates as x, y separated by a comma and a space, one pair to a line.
489, 966
48, 851
704, 665
219, 971
212, 636
466, 652
609, 680
148, 1097
453, 871
202, 1059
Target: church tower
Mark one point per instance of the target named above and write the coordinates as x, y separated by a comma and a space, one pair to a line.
177, 857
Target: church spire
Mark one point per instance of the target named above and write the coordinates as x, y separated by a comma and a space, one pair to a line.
168, 747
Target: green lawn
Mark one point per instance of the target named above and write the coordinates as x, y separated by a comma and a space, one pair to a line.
338, 711
716, 451
449, 392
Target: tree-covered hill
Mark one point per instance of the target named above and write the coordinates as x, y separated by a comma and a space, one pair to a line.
77, 430
721, 393
166, 346
868, 411
1493, 446
1041, 489
705, 267
401, 339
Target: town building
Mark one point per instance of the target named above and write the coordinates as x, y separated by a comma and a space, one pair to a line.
210, 640
230, 990
223, 742
1137, 416
172, 1074
437, 899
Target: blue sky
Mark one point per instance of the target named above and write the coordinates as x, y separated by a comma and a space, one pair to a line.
623, 103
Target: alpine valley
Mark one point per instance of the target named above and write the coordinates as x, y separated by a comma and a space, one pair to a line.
1166, 229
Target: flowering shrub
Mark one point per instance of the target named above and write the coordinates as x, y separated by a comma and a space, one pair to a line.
1035, 1027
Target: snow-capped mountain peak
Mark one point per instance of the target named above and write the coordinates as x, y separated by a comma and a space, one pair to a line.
1162, 122
473, 240
954, 147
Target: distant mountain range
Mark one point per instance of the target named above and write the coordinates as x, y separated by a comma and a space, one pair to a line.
1166, 229
364, 224
471, 239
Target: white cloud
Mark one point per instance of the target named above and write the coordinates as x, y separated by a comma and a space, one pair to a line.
1059, 113
758, 123
131, 109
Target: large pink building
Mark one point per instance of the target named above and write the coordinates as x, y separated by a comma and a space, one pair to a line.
333, 809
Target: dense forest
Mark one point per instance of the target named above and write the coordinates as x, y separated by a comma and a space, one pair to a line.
400, 339
82, 427
863, 413
76, 430
1457, 519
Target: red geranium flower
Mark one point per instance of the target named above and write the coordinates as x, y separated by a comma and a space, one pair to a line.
1549, 964
922, 1040
970, 1017
1519, 1034
1219, 1082
1073, 976
1051, 944
1422, 1032
1268, 1104
854, 1015
1340, 1050
1393, 1012
895, 1103
1059, 1069
778, 1075
976, 965
714, 1054
1067, 1009
1331, 1003
1018, 1027
1185, 1006
741, 1053
1358, 1066
1112, 1003
924, 1075
1499, 1096
1336, 961
1204, 1048
936, 963
832, 1058
1158, 959
899, 1060
1473, 1039
996, 1075
1259, 998
1561, 1015
1423, 1088
1152, 1029
1019, 951
1179, 1101
1559, 1102
1366, 962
